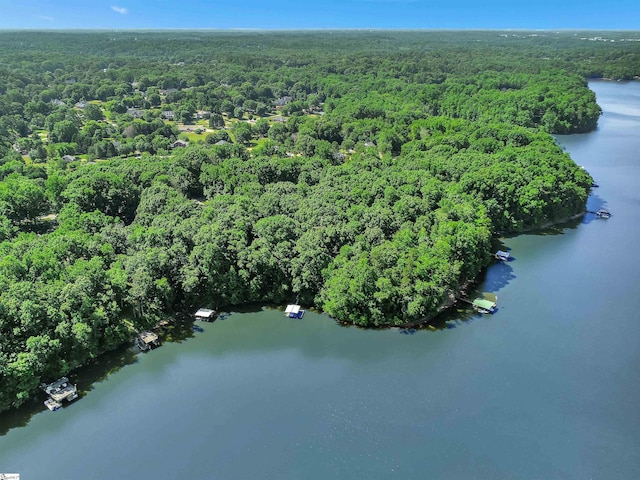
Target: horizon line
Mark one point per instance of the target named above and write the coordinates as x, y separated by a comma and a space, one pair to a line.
315, 29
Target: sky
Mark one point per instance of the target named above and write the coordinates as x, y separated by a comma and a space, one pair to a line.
319, 14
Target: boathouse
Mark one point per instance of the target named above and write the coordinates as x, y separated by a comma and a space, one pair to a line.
294, 311
60, 390
205, 314
484, 306
147, 340
504, 256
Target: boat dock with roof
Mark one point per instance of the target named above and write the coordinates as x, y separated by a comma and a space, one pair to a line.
147, 340
294, 311
484, 306
481, 305
61, 389
205, 314
504, 256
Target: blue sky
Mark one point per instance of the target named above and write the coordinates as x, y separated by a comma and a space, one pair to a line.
303, 14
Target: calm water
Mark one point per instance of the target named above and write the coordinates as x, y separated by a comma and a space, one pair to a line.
546, 388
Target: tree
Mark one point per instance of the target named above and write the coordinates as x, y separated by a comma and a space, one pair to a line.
93, 112
216, 120
242, 132
261, 127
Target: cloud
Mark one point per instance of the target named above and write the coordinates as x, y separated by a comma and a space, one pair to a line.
120, 10
45, 17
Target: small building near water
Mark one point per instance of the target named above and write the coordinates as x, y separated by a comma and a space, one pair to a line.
147, 340
61, 389
294, 311
504, 256
206, 314
484, 306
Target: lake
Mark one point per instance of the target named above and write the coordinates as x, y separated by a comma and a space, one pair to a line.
548, 387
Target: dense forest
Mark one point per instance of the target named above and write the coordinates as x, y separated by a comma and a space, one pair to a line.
365, 173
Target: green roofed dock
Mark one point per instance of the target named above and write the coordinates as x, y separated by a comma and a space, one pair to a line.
484, 306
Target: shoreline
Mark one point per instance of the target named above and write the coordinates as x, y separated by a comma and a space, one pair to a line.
452, 295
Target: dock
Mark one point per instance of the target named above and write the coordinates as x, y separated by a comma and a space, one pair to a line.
206, 314
147, 340
481, 305
61, 389
294, 311
484, 306
503, 256
602, 213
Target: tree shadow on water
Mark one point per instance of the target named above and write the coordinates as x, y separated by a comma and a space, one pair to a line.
85, 377
498, 276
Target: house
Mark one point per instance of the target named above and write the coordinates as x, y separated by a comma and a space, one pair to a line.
81, 104
21, 151
282, 101
57, 102
221, 142
168, 115
203, 114
179, 144
69, 158
167, 91
135, 112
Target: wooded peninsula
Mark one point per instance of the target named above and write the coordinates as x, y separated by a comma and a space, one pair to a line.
365, 173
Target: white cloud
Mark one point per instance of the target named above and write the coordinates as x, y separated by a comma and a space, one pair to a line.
120, 10
45, 17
